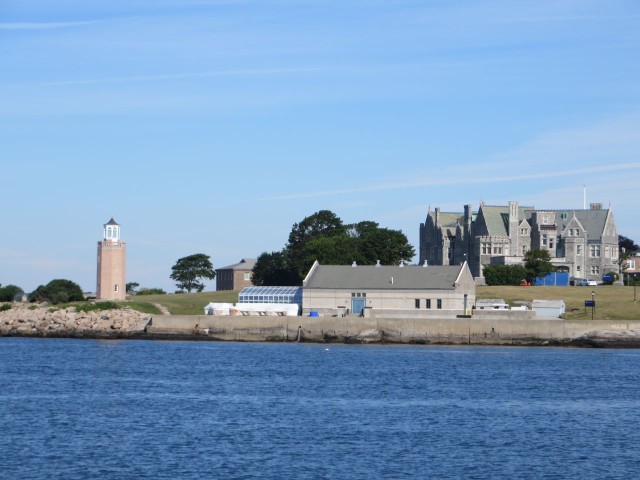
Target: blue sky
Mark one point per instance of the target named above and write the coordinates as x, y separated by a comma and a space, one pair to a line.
212, 126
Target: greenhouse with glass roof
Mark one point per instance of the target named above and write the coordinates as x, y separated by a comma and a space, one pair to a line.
271, 295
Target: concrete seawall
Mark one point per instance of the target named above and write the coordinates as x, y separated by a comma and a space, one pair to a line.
484, 330
481, 329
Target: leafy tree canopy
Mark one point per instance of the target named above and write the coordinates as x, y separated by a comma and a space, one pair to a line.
323, 237
273, 269
537, 263
57, 291
188, 272
627, 244
9, 293
131, 287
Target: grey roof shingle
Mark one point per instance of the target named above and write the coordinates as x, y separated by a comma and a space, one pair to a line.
244, 264
367, 277
592, 220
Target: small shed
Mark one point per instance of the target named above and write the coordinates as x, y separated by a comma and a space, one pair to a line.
548, 308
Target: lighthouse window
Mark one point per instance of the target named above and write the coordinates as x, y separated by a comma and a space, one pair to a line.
116, 287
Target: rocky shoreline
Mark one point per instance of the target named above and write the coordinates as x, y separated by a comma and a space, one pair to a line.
25, 320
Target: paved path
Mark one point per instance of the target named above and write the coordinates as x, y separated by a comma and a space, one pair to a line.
162, 308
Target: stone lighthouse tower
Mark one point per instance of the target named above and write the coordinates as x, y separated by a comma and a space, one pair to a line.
112, 263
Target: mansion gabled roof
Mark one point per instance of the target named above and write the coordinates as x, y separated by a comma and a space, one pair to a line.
497, 218
386, 277
593, 221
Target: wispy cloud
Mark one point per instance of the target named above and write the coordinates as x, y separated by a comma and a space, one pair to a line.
189, 76
458, 177
44, 25
558, 18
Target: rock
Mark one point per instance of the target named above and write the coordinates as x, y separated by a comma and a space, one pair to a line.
30, 320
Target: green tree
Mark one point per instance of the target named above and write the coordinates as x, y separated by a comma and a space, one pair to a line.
323, 223
131, 287
273, 269
373, 243
189, 271
337, 250
323, 237
9, 293
504, 274
627, 244
537, 263
57, 291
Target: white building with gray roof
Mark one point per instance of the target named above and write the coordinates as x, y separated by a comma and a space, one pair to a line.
384, 290
582, 242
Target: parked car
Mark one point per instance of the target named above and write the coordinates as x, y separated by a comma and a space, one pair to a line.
587, 283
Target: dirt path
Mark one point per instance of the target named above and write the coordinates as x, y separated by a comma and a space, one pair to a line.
162, 308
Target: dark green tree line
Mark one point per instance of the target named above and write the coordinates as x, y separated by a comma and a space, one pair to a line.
325, 238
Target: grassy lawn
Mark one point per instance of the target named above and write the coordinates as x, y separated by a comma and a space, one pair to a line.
181, 304
612, 302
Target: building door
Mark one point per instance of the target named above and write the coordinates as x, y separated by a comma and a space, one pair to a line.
357, 305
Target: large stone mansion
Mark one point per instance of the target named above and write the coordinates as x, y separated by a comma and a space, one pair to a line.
581, 242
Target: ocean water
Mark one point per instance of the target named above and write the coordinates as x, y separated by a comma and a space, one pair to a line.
78, 409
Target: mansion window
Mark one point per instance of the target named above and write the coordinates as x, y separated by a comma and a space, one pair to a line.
594, 250
578, 249
497, 250
439, 304
523, 232
595, 270
524, 251
606, 251
486, 249
247, 276
631, 264
427, 303
578, 268
417, 303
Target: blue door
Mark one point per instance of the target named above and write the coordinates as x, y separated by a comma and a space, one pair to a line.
357, 305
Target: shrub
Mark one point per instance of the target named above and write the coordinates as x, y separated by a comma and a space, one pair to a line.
9, 293
57, 291
6, 306
93, 307
151, 291
504, 274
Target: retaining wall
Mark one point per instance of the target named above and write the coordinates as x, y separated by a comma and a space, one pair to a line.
482, 330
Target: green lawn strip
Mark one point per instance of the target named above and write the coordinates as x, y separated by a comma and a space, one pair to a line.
612, 302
